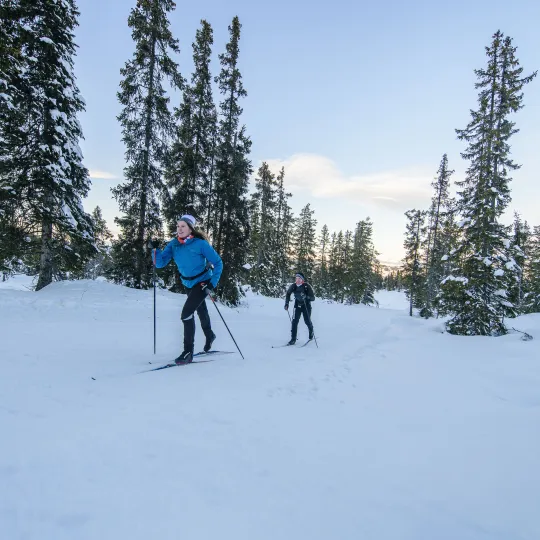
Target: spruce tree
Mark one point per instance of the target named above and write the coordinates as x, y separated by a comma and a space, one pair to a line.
477, 290
520, 253
189, 174
335, 265
532, 295
41, 159
321, 280
346, 259
12, 127
412, 269
264, 247
450, 239
284, 230
230, 222
101, 263
363, 280
147, 127
435, 248
378, 277
304, 239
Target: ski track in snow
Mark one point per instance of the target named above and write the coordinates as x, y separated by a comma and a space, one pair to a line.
391, 429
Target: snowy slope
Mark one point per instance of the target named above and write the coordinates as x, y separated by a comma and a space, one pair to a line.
390, 430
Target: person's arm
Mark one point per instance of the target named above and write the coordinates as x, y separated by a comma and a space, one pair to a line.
288, 296
163, 258
310, 293
212, 256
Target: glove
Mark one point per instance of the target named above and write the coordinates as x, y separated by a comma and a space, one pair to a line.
207, 287
287, 307
153, 244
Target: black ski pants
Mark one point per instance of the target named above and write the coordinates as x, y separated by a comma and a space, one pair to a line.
301, 308
196, 301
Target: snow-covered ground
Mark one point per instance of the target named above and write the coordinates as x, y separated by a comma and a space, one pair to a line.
390, 430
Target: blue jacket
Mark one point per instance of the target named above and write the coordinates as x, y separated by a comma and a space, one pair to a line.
191, 258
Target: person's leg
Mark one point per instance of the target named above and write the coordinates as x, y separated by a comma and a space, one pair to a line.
296, 318
206, 326
306, 310
195, 297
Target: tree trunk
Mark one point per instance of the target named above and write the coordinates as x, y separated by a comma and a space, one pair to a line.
46, 258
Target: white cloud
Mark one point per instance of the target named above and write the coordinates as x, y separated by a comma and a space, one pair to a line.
320, 176
96, 174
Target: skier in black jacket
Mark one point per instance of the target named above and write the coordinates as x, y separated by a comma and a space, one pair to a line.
303, 296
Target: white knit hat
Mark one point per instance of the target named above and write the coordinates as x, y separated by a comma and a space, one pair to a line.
190, 220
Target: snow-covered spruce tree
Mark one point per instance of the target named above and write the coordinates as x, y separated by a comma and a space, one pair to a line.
101, 263
284, 230
393, 281
321, 281
377, 277
11, 121
189, 172
450, 239
483, 269
435, 248
304, 242
363, 279
41, 160
229, 224
346, 259
519, 249
147, 127
413, 272
334, 264
265, 249
532, 296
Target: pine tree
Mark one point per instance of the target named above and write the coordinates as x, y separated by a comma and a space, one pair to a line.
229, 224
147, 126
41, 159
435, 247
483, 270
412, 268
304, 239
189, 175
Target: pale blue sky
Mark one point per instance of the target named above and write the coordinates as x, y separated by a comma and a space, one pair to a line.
358, 100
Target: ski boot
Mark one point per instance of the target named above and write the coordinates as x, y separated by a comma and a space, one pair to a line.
185, 358
209, 340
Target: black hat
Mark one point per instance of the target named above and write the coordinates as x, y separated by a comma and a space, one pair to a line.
300, 275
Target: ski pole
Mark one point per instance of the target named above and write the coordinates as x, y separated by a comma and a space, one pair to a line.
309, 319
214, 302
154, 282
289, 314
153, 251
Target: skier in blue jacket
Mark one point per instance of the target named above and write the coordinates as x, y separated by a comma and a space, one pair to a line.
193, 256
